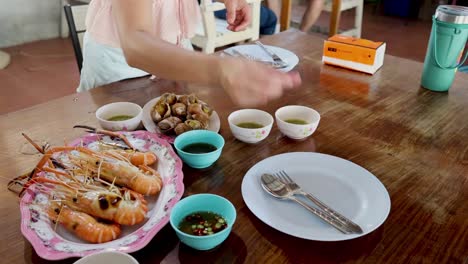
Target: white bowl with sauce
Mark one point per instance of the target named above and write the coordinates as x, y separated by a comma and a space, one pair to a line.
113, 257
119, 116
250, 125
297, 121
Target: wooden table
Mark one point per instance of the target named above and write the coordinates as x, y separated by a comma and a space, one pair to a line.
415, 141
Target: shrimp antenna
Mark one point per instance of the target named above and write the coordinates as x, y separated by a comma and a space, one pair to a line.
35, 145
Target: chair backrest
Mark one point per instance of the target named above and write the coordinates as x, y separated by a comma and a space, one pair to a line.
204, 2
76, 17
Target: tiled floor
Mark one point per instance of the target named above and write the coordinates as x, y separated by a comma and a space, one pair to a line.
38, 72
45, 70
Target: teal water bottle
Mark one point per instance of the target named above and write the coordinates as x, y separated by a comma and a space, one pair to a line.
445, 48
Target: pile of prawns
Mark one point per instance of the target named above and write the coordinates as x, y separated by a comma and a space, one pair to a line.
93, 193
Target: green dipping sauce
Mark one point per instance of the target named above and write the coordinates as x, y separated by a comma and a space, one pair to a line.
296, 121
252, 125
120, 118
202, 224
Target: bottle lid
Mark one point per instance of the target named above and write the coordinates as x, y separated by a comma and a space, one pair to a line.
452, 14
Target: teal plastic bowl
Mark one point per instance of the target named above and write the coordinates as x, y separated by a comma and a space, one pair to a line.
203, 202
203, 160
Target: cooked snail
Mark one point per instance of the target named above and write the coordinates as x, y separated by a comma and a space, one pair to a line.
181, 128
180, 113
169, 124
179, 109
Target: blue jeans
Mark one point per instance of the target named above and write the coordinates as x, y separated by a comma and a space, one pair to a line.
268, 20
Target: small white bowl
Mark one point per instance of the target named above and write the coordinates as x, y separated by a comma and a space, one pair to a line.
113, 257
296, 131
250, 135
120, 108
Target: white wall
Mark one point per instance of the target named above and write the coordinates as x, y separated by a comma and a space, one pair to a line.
28, 20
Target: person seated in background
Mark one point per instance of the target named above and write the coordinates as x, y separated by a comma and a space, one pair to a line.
268, 20
312, 13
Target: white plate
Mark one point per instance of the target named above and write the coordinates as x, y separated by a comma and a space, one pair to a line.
257, 52
148, 123
346, 187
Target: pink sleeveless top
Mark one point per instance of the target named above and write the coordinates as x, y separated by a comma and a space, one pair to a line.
173, 20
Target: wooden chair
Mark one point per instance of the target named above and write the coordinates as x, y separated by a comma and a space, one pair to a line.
285, 17
4, 59
335, 7
213, 32
76, 16
64, 31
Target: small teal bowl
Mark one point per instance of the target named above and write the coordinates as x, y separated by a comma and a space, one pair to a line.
203, 160
203, 202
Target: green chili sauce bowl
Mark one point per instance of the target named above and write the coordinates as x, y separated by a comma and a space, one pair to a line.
203, 202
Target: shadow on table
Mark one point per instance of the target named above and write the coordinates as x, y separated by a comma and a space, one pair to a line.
203, 180
166, 248
30, 256
303, 251
233, 250
429, 100
156, 250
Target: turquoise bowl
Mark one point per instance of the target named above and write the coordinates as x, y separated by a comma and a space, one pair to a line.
203, 202
203, 160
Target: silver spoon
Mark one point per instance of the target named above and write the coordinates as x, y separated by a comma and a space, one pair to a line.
283, 177
279, 190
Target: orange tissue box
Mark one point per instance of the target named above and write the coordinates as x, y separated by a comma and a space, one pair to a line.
354, 53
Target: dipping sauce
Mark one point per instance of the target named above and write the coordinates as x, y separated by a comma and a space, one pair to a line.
250, 125
296, 121
120, 118
199, 148
202, 224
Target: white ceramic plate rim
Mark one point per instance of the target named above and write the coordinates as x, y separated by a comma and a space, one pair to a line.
148, 123
258, 201
286, 55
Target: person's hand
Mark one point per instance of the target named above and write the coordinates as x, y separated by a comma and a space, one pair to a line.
250, 83
238, 14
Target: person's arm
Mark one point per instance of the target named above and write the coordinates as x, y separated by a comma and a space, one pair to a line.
151, 54
246, 82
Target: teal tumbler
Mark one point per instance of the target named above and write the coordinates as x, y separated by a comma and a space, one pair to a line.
445, 48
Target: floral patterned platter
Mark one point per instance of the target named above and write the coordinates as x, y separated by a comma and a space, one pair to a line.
55, 244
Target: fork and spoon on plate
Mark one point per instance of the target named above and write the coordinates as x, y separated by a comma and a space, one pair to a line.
277, 62
282, 187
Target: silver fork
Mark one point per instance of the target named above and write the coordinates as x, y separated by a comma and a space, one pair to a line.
275, 57
252, 58
296, 189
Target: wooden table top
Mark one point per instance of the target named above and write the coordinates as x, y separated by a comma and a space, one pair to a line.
413, 140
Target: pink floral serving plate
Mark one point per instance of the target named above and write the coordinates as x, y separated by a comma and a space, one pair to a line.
57, 243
